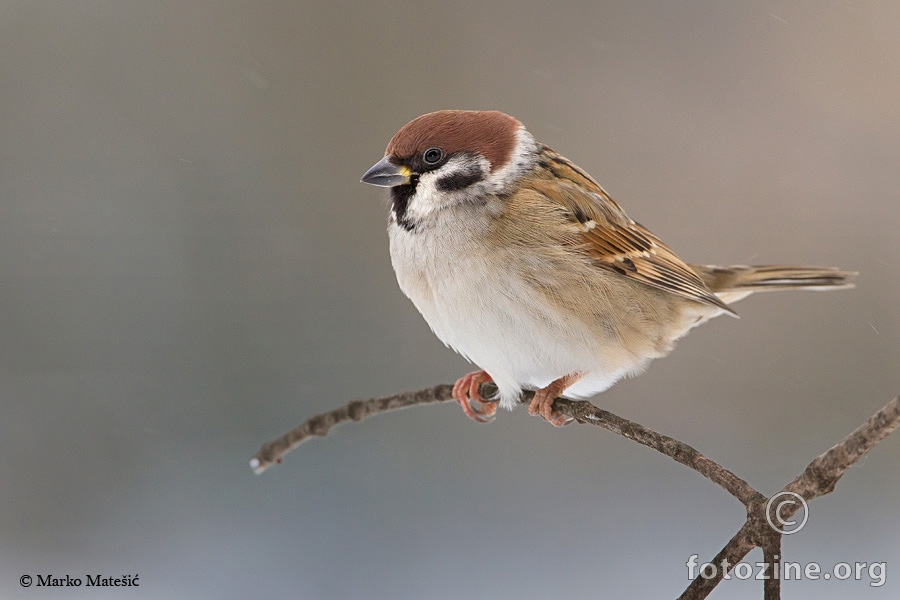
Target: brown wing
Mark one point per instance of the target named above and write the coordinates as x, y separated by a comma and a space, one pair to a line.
611, 238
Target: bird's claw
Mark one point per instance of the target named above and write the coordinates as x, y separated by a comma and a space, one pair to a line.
465, 391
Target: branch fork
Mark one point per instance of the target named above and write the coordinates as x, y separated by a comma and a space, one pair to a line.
819, 477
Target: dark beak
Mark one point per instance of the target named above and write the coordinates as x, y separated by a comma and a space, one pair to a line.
384, 173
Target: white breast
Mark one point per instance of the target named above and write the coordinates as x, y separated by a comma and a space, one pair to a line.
493, 317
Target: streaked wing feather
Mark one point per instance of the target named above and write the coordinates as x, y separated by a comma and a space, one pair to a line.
611, 238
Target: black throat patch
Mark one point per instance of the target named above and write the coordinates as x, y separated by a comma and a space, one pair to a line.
400, 197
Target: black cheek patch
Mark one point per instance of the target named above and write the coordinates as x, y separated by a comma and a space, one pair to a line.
459, 181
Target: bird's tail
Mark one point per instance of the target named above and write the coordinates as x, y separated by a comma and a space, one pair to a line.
733, 283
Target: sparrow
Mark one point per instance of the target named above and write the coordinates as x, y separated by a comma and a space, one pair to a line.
524, 265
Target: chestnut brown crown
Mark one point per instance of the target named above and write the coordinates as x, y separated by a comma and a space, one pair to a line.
491, 134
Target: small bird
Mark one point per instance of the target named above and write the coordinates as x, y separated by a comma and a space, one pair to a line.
523, 264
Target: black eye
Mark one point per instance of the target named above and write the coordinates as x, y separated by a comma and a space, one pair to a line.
433, 156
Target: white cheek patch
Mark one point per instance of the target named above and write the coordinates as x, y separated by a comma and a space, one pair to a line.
432, 193
424, 202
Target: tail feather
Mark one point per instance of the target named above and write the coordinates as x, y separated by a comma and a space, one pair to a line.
736, 282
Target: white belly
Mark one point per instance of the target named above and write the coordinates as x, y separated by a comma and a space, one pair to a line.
496, 320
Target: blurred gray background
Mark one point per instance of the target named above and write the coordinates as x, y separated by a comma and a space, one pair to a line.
189, 267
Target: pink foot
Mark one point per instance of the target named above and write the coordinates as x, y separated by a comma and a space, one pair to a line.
466, 389
542, 403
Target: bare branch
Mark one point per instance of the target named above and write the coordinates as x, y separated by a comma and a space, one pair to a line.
319, 425
734, 551
585, 412
581, 411
819, 478
825, 470
772, 558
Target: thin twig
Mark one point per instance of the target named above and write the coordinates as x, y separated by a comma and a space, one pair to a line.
319, 425
734, 551
819, 477
585, 412
823, 473
772, 559
580, 410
